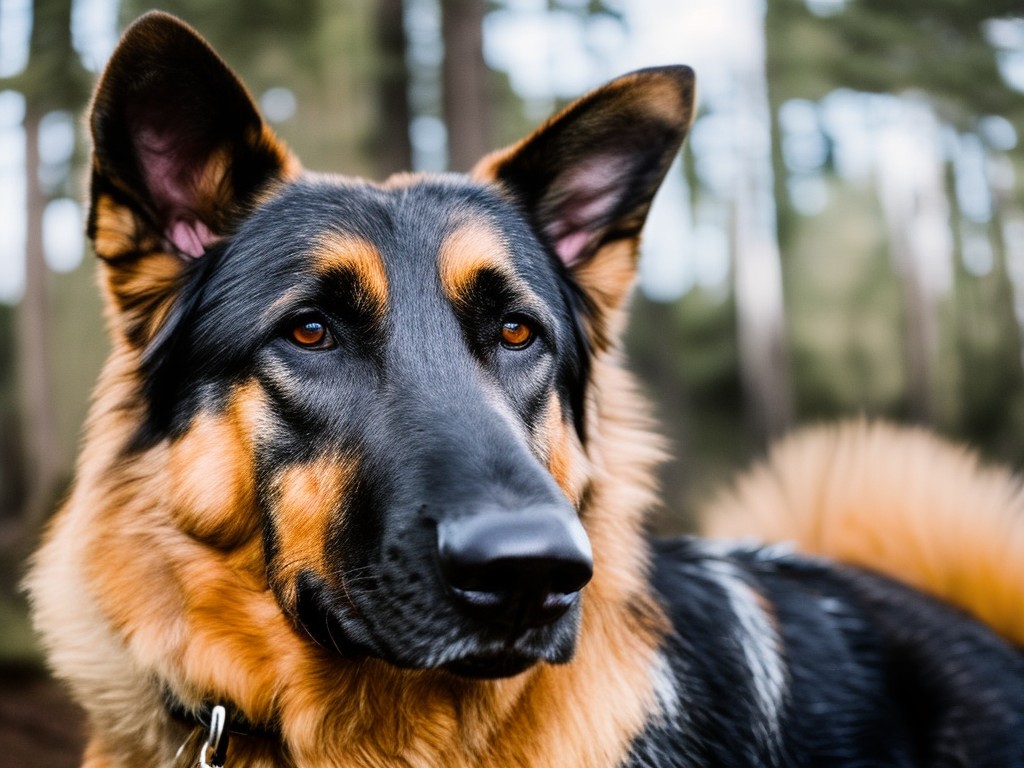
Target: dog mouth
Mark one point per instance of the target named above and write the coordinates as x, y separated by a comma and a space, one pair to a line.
335, 623
337, 626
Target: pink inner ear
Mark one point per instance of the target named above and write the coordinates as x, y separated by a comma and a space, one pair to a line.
169, 173
584, 198
192, 238
570, 246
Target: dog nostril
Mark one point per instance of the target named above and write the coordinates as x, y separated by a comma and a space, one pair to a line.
518, 569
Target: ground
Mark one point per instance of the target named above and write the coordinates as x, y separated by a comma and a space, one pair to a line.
39, 725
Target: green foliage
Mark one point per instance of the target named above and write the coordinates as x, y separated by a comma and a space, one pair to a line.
892, 46
844, 309
54, 78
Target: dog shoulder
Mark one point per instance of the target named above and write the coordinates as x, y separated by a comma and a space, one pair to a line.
756, 635
775, 655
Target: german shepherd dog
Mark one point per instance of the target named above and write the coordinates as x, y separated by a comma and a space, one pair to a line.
365, 479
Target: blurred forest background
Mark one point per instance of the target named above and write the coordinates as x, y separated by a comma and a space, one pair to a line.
844, 233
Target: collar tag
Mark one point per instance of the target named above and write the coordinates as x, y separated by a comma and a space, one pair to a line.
213, 753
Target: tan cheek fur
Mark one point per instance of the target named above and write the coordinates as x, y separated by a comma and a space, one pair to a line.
211, 470
307, 501
566, 460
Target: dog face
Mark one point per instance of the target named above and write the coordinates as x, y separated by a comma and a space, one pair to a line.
377, 392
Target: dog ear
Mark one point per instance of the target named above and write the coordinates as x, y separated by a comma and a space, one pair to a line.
180, 152
587, 177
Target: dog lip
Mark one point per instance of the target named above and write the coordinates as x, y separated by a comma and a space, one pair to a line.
336, 627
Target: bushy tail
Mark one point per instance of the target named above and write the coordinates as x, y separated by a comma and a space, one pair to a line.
898, 500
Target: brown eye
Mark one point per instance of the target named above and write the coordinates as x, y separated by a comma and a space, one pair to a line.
310, 333
516, 334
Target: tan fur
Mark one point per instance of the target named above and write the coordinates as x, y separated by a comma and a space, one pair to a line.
309, 500
608, 276
210, 469
118, 229
897, 500
141, 289
566, 459
344, 253
474, 246
403, 179
211, 184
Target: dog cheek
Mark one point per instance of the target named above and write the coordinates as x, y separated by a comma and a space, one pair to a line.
566, 460
211, 470
308, 503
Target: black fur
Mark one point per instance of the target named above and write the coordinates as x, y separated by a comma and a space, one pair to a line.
875, 674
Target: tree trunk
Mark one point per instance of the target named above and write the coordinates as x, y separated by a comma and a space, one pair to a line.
54, 79
394, 149
464, 77
911, 191
764, 354
33, 339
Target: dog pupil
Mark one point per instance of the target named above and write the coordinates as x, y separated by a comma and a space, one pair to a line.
515, 334
309, 333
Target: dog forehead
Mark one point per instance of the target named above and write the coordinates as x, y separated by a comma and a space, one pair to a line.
436, 230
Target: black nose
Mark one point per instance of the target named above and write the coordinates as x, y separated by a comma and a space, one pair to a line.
518, 569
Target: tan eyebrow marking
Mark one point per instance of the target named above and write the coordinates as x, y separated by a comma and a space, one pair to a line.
473, 247
335, 252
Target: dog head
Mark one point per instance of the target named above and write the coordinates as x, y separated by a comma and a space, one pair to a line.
380, 389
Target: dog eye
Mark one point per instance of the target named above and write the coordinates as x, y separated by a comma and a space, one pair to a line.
311, 333
516, 334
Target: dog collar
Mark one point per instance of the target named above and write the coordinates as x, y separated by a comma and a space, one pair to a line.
218, 723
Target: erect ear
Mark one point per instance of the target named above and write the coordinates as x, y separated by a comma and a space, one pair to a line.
180, 153
586, 178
